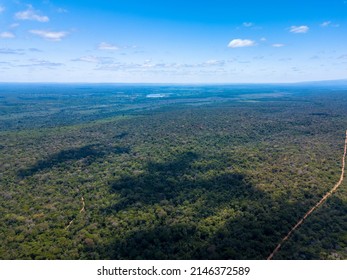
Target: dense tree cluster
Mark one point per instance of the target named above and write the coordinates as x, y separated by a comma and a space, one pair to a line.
200, 174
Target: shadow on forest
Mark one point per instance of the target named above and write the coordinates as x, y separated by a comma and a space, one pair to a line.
323, 232
158, 183
183, 203
121, 135
89, 153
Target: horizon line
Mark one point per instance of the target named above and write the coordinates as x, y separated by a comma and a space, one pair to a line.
179, 83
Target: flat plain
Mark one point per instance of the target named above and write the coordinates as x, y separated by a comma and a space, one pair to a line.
106, 171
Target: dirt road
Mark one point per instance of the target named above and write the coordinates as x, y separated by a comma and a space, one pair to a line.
318, 204
82, 210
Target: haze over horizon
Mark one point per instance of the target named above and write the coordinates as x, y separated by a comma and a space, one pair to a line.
173, 41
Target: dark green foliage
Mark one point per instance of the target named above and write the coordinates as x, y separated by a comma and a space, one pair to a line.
201, 173
88, 153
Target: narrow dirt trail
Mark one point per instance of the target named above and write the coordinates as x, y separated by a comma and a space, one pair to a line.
83, 205
82, 210
318, 204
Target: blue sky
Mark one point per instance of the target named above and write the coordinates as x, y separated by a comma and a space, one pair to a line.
172, 41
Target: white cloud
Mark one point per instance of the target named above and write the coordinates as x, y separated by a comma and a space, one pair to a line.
62, 10
34, 50
14, 25
7, 35
11, 51
2, 8
95, 59
129, 47
329, 23
263, 39
49, 35
107, 47
109, 64
325, 23
213, 62
31, 14
299, 29
247, 24
278, 45
89, 58
17, 51
41, 63
240, 43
